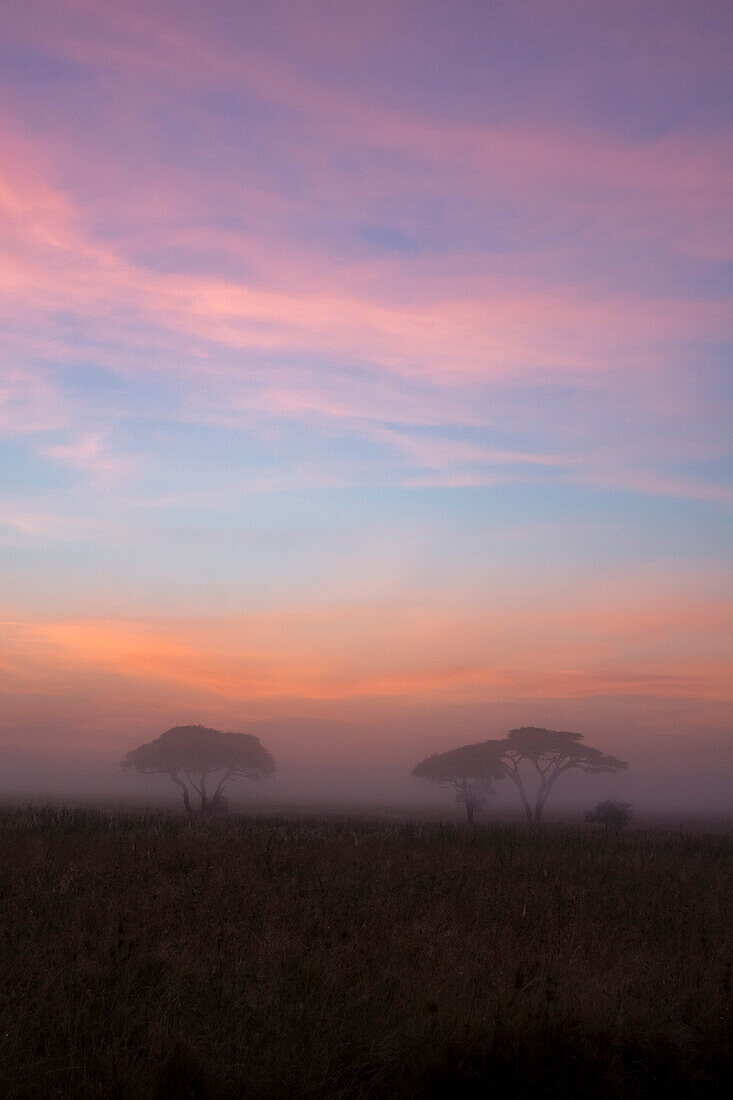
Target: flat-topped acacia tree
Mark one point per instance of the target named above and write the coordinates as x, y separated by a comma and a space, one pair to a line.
549, 754
529, 753
196, 756
468, 770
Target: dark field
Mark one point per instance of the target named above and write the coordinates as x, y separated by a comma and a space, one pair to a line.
243, 957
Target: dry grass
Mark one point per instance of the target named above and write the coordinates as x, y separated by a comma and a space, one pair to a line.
142, 957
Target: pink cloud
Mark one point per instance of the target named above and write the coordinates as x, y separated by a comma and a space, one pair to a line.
595, 646
51, 263
91, 453
450, 326
30, 403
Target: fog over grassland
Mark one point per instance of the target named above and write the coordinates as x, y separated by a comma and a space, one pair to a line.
671, 777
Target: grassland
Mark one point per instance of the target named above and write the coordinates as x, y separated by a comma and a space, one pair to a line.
327, 958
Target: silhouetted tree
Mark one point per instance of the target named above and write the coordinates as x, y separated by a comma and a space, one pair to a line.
469, 771
194, 756
611, 814
549, 754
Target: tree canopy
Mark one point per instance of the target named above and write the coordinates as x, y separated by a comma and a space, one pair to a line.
190, 755
469, 770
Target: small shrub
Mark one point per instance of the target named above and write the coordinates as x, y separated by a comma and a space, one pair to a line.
611, 814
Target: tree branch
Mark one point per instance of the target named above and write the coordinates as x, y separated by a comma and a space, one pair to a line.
220, 788
191, 781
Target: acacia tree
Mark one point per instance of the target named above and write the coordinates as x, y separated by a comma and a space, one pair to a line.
549, 754
468, 770
202, 760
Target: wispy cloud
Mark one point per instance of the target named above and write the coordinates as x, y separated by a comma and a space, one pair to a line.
29, 402
91, 453
50, 525
203, 332
548, 651
407, 352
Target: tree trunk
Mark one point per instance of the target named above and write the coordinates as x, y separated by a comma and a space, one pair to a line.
540, 807
516, 780
469, 812
186, 799
544, 791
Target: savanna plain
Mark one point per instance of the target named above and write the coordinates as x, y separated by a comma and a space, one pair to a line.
146, 955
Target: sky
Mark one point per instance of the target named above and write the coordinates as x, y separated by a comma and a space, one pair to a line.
365, 371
